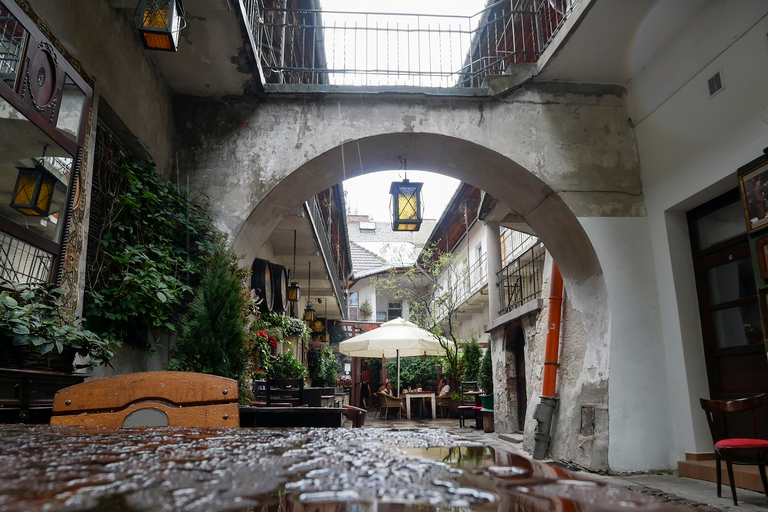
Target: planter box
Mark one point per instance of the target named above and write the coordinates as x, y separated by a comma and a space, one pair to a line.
487, 402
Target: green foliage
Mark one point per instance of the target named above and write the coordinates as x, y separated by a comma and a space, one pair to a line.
485, 377
471, 354
149, 259
285, 366
213, 331
414, 371
281, 327
32, 316
324, 367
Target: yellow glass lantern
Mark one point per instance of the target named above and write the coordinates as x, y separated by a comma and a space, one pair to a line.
34, 189
406, 205
159, 23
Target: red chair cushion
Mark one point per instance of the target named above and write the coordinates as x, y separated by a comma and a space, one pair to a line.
741, 442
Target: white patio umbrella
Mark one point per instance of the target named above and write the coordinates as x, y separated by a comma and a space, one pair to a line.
396, 338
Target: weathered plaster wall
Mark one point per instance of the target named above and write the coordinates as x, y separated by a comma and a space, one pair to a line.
113, 57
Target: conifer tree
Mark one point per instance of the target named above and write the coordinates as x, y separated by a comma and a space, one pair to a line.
212, 338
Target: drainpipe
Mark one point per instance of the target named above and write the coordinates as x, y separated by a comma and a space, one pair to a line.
546, 408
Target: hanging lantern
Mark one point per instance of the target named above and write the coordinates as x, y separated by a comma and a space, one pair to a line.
159, 23
309, 312
406, 205
294, 290
33, 192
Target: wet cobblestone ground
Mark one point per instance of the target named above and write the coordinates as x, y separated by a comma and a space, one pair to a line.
317, 470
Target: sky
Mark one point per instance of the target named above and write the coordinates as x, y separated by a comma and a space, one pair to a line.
369, 194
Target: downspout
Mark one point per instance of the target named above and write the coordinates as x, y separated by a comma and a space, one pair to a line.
546, 408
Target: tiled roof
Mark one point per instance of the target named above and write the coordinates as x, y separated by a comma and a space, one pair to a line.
363, 259
381, 232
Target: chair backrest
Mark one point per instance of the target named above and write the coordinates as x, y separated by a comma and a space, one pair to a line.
284, 392
468, 385
389, 400
718, 411
150, 399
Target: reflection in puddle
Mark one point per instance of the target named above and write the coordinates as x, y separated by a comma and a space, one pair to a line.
283, 470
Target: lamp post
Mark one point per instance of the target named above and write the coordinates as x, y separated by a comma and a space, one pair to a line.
159, 23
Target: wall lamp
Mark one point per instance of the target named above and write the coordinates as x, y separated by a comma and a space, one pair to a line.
159, 23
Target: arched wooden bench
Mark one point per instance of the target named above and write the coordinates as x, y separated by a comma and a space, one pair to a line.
150, 399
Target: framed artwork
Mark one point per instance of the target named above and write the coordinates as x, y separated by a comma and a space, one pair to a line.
753, 183
762, 256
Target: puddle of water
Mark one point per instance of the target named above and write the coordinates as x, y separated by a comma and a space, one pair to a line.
284, 470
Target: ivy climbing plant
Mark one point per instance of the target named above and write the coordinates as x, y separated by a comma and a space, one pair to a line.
149, 259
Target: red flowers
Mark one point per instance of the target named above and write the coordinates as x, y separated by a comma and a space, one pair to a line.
273, 342
270, 339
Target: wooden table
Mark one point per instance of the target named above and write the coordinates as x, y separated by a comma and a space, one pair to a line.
422, 395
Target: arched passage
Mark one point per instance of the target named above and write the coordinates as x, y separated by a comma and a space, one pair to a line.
525, 194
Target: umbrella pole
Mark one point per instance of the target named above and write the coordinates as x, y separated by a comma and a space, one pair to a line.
398, 372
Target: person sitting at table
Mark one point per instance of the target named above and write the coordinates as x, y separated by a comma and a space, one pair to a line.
388, 389
444, 388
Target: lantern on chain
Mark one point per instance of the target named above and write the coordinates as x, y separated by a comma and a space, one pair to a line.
406, 205
159, 23
294, 290
33, 192
309, 311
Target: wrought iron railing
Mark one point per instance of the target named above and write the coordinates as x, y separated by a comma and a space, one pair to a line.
461, 283
12, 38
324, 240
23, 263
520, 280
313, 46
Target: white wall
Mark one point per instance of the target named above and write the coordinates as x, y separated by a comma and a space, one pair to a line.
690, 146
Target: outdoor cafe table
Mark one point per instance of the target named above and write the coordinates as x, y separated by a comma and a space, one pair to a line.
300, 469
422, 395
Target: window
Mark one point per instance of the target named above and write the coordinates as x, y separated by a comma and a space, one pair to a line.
395, 310
353, 306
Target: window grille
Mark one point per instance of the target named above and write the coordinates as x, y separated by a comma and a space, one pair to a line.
21, 262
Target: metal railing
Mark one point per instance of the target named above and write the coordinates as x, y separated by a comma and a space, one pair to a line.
23, 263
12, 39
324, 240
461, 284
520, 280
313, 46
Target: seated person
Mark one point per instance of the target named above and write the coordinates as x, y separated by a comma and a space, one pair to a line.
388, 389
444, 388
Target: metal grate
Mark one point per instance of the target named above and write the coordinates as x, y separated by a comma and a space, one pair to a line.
107, 152
23, 263
520, 281
312, 46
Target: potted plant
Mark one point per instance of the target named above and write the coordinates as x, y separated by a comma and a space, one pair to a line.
37, 332
485, 378
366, 310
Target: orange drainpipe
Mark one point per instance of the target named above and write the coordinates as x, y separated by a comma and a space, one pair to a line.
545, 411
551, 348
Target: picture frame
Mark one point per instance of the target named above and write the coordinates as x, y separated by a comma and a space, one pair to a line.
761, 247
762, 299
753, 185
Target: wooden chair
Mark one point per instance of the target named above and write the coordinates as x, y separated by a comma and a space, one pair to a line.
736, 450
284, 392
387, 402
149, 399
467, 404
443, 404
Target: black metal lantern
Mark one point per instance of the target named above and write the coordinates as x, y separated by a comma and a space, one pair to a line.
34, 189
309, 312
406, 205
159, 23
294, 290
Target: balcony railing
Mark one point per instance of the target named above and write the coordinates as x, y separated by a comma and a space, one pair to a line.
520, 280
313, 46
324, 240
462, 283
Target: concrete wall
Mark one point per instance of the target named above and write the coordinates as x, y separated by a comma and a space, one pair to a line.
690, 146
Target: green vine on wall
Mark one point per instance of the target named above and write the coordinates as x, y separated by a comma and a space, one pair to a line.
149, 259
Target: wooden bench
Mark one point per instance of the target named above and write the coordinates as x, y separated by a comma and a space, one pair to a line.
149, 399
